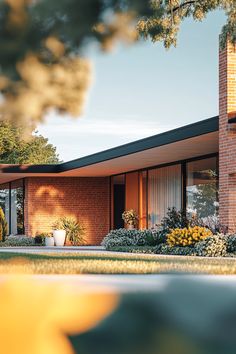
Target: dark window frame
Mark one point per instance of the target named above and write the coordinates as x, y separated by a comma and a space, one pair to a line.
10, 200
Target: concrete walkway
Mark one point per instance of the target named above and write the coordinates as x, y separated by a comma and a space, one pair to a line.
128, 283
39, 249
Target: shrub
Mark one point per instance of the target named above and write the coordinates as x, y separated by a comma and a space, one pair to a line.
213, 246
124, 237
175, 251
18, 241
38, 240
134, 249
231, 243
187, 236
3, 225
174, 219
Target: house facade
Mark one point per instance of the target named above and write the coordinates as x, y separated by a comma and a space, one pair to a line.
192, 168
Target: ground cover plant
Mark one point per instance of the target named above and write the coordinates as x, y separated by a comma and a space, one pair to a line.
112, 263
19, 241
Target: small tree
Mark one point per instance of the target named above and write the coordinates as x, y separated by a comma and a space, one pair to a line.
3, 226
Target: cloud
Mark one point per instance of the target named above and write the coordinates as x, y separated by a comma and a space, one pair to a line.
84, 136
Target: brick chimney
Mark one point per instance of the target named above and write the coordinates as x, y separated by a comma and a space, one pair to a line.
227, 137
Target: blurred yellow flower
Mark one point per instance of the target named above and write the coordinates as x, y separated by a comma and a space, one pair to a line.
36, 317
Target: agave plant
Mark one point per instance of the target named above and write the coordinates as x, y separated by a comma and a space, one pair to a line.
74, 230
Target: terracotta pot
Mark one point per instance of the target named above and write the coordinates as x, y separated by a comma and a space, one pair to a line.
130, 227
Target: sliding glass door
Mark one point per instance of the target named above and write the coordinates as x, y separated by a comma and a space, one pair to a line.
164, 191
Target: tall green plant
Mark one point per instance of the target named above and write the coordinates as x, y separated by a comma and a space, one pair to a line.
3, 225
75, 231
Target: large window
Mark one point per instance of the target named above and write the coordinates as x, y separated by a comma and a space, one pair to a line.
12, 203
164, 191
202, 187
187, 185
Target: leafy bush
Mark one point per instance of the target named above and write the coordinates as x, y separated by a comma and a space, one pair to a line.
177, 250
135, 249
174, 219
124, 237
213, 246
187, 236
231, 243
38, 240
18, 241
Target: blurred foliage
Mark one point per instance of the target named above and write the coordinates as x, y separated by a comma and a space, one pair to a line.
36, 317
14, 150
186, 316
177, 315
43, 42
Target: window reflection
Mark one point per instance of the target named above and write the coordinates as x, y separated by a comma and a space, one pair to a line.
17, 208
12, 204
202, 187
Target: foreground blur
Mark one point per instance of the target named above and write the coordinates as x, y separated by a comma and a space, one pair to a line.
186, 316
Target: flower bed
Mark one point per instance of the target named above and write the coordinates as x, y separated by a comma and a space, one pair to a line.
177, 235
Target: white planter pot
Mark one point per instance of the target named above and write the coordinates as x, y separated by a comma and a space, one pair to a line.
49, 241
59, 237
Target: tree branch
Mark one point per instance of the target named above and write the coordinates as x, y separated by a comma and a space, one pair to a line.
190, 2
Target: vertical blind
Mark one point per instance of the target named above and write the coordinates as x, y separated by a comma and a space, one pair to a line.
164, 191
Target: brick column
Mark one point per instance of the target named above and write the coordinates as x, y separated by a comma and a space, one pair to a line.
227, 138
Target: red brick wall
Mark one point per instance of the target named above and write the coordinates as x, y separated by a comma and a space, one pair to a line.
85, 198
227, 138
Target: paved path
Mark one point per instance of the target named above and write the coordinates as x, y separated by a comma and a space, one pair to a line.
40, 249
128, 283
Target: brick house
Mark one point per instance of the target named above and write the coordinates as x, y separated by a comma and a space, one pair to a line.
192, 167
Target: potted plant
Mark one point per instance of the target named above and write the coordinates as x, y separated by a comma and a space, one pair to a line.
74, 230
130, 218
59, 233
48, 239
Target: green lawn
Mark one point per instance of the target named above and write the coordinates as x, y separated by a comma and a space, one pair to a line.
103, 263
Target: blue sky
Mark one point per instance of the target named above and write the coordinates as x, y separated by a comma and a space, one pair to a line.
142, 90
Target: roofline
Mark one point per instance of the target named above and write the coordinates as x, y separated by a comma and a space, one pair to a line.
185, 132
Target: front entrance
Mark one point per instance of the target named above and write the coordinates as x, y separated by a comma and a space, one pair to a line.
118, 201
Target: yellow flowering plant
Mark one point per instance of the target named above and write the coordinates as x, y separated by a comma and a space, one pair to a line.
130, 217
187, 236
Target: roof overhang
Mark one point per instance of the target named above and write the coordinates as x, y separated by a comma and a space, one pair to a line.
184, 143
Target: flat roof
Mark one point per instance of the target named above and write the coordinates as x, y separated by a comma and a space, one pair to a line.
189, 131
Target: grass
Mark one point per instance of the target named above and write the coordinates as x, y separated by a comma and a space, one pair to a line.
113, 263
